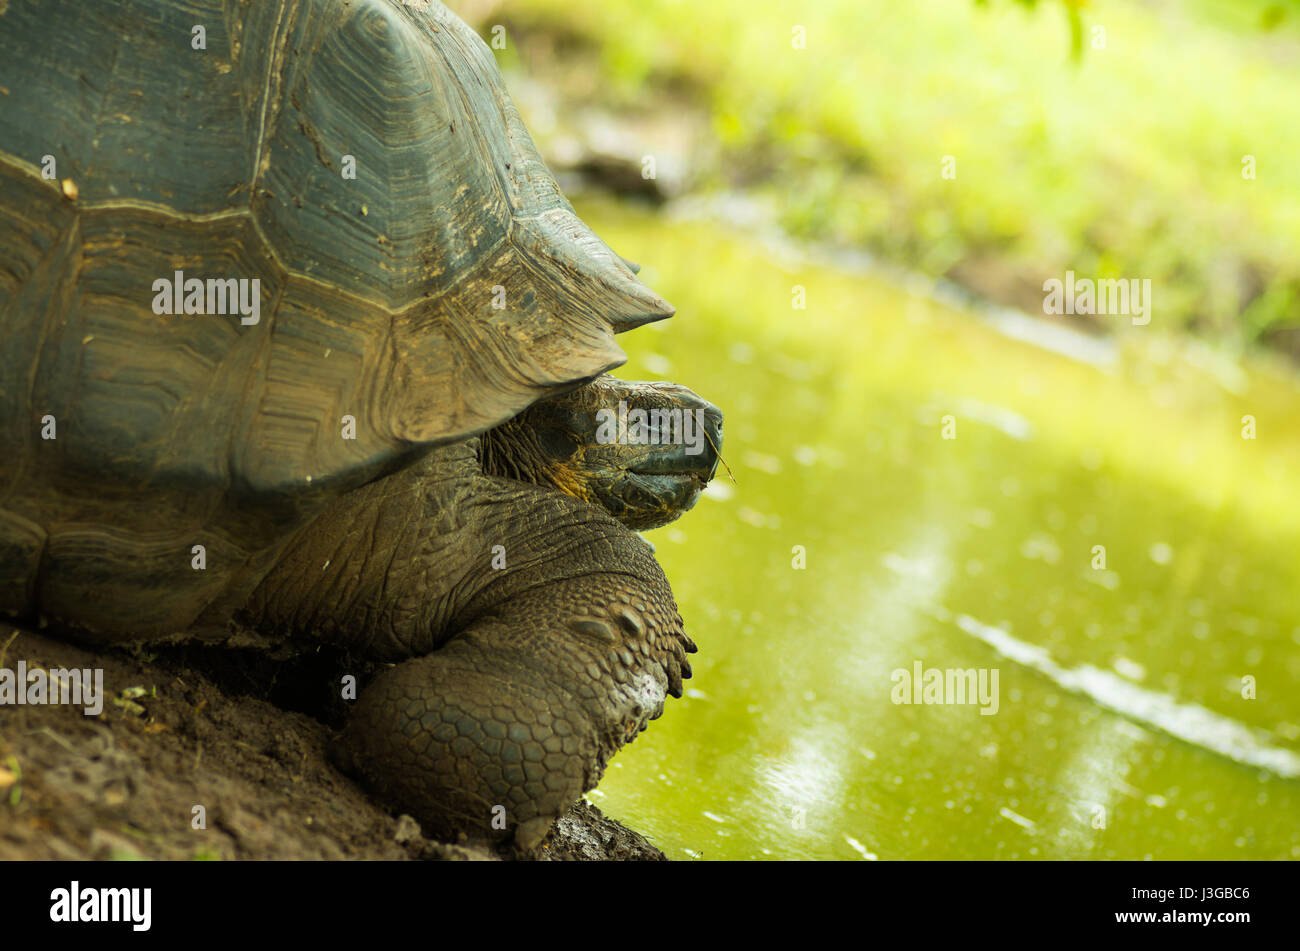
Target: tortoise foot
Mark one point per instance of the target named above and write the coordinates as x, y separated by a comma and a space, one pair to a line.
469, 743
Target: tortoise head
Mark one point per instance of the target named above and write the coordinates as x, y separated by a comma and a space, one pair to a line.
641, 451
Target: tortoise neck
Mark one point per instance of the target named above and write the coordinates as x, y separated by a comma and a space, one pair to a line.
399, 566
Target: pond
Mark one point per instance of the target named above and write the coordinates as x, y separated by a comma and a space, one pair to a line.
916, 491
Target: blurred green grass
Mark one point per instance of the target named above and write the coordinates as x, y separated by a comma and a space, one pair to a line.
1124, 163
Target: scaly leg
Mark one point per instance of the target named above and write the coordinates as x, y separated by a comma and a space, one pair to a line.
505, 726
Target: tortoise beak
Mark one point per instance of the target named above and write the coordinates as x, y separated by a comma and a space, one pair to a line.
694, 457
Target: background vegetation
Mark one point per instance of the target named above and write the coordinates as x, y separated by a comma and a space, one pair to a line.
1122, 161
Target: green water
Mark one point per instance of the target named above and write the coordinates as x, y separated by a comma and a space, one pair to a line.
945, 551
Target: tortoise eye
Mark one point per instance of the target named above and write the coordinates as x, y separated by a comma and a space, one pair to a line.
558, 443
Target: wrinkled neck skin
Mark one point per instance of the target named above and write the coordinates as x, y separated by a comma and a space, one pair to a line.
398, 566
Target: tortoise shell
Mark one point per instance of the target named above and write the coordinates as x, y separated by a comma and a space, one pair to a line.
420, 278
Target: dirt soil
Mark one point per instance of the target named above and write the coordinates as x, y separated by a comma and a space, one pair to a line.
216, 729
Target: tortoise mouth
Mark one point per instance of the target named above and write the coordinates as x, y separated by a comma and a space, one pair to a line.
699, 468
661, 482
675, 480
642, 451
697, 460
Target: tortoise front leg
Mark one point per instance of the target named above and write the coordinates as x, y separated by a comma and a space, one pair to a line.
504, 727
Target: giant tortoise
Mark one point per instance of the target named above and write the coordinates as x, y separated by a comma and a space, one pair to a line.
302, 343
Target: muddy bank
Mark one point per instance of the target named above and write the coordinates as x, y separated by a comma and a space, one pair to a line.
184, 728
